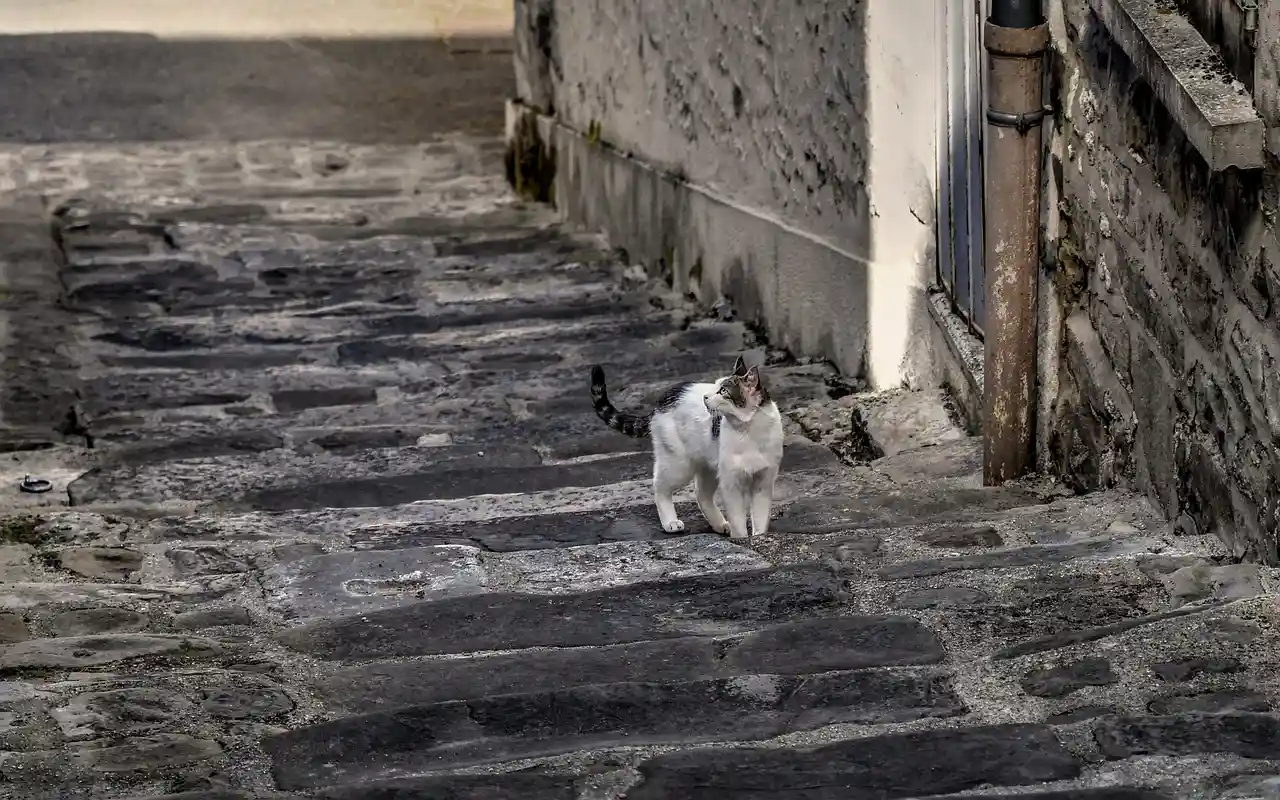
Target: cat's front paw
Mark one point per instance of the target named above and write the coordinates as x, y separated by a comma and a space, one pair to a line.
674, 526
737, 536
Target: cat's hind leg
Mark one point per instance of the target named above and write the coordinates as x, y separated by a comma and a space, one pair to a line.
670, 474
705, 482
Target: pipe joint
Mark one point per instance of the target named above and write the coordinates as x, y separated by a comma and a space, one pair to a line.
1021, 122
1015, 42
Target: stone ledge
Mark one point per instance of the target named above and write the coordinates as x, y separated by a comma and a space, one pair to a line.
1214, 110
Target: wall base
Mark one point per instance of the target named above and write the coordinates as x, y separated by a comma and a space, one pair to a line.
812, 296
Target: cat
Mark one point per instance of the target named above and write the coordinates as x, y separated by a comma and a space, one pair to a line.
726, 435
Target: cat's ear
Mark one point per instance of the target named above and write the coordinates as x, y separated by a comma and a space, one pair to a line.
740, 367
752, 378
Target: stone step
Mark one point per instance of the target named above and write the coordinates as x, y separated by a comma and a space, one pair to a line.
789, 648
512, 726
706, 605
355, 582
286, 480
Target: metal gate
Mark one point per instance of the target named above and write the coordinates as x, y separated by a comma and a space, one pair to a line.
960, 164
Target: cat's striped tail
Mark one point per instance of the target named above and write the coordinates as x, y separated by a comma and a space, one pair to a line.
629, 424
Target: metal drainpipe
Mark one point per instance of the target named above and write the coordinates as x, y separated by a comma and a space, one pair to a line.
1016, 37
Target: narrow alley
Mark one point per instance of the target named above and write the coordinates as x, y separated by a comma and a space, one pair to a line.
331, 515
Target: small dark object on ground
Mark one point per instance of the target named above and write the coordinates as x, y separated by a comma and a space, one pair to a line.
32, 485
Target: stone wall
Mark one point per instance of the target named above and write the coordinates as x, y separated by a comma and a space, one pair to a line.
1167, 276
769, 108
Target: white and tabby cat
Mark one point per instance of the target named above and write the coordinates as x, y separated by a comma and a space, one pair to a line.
726, 434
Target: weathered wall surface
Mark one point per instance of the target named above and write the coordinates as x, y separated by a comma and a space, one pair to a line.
772, 107
1167, 276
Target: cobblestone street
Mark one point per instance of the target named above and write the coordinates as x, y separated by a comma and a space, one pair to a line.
332, 517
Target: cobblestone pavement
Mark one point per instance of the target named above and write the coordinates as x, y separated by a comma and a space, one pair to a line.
332, 518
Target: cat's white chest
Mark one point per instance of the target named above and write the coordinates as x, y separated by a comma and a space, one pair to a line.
750, 453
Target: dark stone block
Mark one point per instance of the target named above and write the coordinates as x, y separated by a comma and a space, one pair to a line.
208, 361
1057, 641
87, 621
1027, 556
505, 727
535, 531
1062, 680
246, 702
898, 507
708, 605
1184, 669
943, 597
349, 441
159, 339
213, 618
1101, 793
795, 648
858, 548
955, 537
877, 768
1242, 734
448, 484
233, 443
294, 400
1210, 702
503, 786
1079, 715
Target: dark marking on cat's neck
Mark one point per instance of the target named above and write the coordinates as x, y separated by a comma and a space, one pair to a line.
715, 427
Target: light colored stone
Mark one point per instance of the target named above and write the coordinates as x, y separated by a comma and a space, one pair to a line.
89, 651
899, 421
101, 563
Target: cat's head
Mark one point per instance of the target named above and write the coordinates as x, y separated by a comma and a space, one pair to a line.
739, 394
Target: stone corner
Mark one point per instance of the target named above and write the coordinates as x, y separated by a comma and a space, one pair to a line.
1214, 110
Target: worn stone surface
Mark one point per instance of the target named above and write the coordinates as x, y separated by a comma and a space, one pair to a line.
885, 766
794, 648
115, 564
323, 379
1062, 680
513, 726
1167, 279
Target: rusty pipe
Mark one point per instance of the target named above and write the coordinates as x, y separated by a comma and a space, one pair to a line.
1015, 57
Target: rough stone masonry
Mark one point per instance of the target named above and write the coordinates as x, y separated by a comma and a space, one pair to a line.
332, 518
1167, 277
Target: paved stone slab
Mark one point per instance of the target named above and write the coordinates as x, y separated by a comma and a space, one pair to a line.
88, 651
793, 648
504, 727
1243, 734
121, 712
533, 531
1210, 702
294, 400
713, 605
1029, 555
117, 564
288, 479
1184, 669
902, 420
227, 444
1063, 679
902, 507
884, 767
87, 621
444, 485
148, 753
31, 595
345, 583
